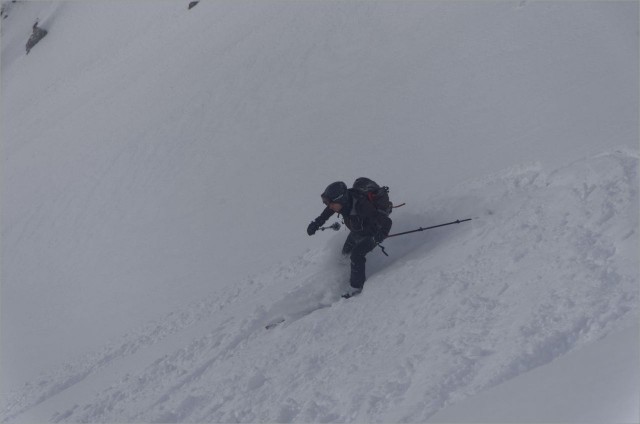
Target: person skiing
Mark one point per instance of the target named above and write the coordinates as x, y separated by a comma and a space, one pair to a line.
368, 226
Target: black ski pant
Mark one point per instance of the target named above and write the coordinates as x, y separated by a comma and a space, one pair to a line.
357, 246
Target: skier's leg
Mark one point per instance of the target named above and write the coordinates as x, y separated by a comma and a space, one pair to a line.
348, 244
363, 246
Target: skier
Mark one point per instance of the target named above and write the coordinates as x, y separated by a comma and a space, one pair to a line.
368, 226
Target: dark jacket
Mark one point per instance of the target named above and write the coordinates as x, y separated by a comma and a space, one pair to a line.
360, 216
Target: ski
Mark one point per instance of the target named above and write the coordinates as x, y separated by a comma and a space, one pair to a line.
276, 322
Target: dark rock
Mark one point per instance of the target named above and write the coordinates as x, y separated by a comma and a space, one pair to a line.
37, 35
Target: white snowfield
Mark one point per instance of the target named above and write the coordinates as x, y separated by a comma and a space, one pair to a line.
548, 267
597, 384
160, 166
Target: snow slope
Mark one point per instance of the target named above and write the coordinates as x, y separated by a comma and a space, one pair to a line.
480, 304
160, 166
596, 384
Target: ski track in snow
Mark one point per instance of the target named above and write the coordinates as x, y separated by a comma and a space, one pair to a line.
453, 311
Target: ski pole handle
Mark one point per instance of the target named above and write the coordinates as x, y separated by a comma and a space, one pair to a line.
335, 226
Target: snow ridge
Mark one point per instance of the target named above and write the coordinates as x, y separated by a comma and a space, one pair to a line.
547, 265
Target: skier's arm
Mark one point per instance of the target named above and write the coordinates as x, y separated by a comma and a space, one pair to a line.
317, 223
384, 222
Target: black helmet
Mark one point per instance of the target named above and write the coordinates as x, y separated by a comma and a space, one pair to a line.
335, 193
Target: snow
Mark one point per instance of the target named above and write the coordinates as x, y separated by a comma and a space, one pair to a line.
160, 166
548, 393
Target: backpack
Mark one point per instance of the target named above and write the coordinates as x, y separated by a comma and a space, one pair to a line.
364, 188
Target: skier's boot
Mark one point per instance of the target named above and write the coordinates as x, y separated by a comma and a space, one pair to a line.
353, 292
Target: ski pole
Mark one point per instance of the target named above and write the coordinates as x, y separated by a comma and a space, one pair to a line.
335, 226
458, 221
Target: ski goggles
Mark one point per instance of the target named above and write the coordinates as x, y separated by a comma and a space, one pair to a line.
328, 201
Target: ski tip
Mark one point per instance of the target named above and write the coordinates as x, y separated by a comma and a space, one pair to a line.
274, 324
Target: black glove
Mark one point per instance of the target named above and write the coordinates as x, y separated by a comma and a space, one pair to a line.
379, 236
312, 228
